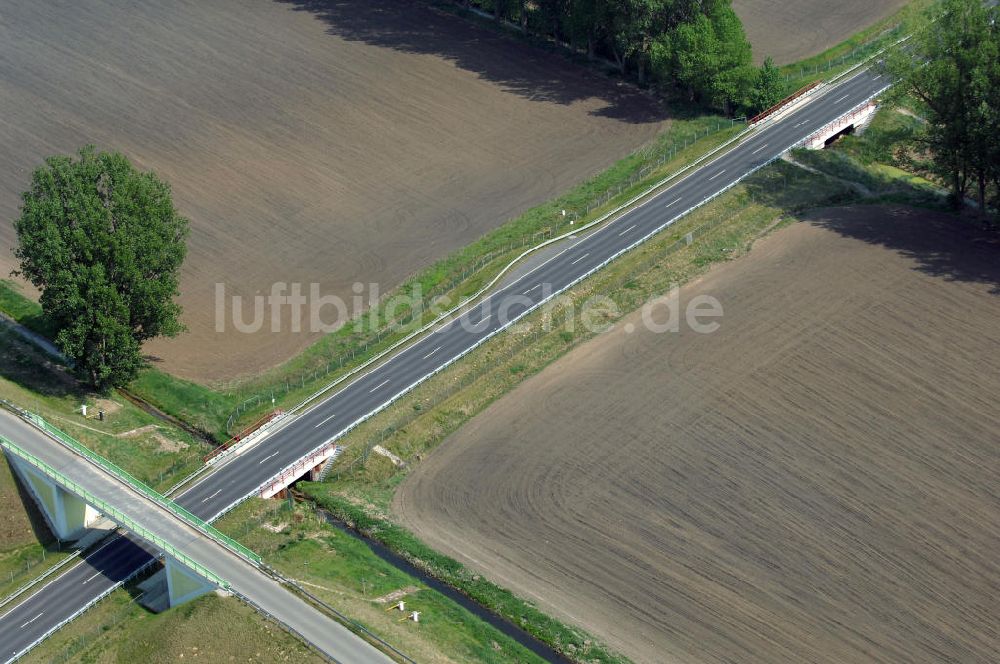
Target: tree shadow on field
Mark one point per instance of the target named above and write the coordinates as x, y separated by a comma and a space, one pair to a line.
941, 244
519, 68
25, 365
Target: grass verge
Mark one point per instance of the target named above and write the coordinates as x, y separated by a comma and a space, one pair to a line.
416, 424
208, 629
361, 493
853, 50
148, 448
344, 572
445, 283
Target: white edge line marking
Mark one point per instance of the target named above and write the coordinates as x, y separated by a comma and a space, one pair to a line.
580, 258
378, 386
79, 561
627, 230
482, 340
325, 421
672, 180
676, 178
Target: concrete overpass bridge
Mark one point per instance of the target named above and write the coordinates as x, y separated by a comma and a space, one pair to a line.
74, 487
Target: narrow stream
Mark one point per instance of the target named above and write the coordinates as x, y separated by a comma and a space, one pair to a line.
502, 624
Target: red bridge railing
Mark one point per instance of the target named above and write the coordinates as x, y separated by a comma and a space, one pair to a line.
785, 102
243, 434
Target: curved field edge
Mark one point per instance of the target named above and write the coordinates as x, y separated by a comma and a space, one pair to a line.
414, 426
692, 471
362, 498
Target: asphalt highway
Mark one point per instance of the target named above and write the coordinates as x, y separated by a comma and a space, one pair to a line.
187, 544
233, 481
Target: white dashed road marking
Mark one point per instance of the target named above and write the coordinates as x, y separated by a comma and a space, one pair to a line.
325, 421
32, 620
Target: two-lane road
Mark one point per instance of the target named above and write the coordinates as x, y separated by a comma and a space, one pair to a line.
372, 391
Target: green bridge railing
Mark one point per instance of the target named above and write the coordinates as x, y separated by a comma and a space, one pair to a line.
111, 512
142, 488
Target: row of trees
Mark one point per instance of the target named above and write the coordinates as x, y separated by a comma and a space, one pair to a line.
696, 47
951, 67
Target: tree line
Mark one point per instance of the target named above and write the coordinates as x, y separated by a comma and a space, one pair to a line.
951, 68
693, 48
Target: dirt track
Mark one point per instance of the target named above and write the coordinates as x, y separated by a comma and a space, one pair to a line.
307, 141
791, 31
815, 482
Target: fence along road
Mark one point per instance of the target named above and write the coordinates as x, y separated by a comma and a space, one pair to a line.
165, 529
234, 480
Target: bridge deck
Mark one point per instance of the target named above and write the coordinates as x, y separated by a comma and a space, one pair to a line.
243, 577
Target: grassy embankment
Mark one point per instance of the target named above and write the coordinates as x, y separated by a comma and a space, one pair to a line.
452, 279
155, 453
343, 571
857, 48
728, 226
208, 629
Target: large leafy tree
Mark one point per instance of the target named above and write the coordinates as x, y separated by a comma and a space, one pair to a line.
950, 67
708, 56
104, 243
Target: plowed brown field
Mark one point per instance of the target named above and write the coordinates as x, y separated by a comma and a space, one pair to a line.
308, 141
790, 31
815, 482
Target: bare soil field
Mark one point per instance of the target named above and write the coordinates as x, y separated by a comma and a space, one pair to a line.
328, 142
791, 31
814, 482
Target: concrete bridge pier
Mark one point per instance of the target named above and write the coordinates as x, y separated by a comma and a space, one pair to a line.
173, 585
183, 583
70, 518
68, 515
